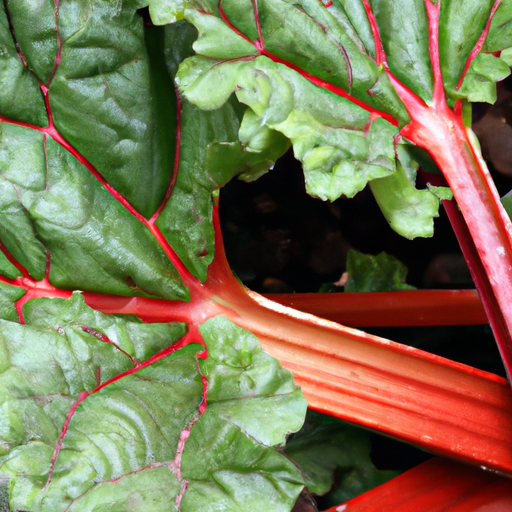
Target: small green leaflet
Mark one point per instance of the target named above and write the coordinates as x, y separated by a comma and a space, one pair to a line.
381, 273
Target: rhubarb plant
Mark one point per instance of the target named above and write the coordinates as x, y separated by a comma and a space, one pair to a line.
351, 84
132, 376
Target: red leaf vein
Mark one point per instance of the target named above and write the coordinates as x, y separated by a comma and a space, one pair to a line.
193, 336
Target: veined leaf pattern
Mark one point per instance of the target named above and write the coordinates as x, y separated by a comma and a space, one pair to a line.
108, 182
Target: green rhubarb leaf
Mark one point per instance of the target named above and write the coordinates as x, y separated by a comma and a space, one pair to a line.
110, 401
342, 147
7, 269
58, 352
211, 30
460, 27
381, 273
21, 99
409, 211
136, 338
150, 490
325, 446
479, 84
111, 100
252, 403
22, 162
337, 160
212, 151
403, 28
499, 36
259, 52
247, 387
443, 193
34, 28
236, 473
332, 51
353, 19
163, 12
210, 142
8, 297
55, 203
506, 56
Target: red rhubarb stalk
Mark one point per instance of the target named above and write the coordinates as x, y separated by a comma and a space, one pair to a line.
436, 485
441, 131
440, 405
390, 309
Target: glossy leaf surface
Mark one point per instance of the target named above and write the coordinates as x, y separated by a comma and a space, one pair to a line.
106, 410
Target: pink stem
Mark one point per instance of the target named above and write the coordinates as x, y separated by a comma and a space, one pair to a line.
441, 131
480, 278
433, 38
475, 266
258, 24
443, 134
380, 56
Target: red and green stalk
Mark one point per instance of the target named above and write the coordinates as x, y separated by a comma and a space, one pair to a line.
441, 131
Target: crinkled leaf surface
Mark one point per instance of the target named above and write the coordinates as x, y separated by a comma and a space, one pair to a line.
323, 74
106, 187
95, 407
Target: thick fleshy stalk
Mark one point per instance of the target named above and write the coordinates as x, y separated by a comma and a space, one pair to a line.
442, 132
436, 485
440, 405
434, 403
390, 309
